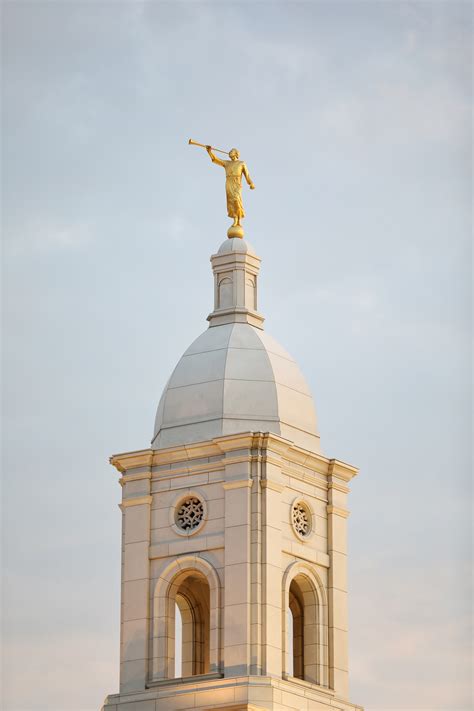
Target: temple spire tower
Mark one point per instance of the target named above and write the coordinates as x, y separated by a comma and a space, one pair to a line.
234, 528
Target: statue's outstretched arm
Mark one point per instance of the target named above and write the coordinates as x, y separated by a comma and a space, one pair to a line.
247, 177
214, 158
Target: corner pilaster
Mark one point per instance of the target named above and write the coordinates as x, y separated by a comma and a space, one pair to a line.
339, 475
272, 487
237, 603
134, 628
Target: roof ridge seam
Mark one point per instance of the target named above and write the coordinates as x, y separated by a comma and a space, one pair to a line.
274, 379
231, 331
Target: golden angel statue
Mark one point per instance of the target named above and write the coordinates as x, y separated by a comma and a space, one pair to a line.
234, 169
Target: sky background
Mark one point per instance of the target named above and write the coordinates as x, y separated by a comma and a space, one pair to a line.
354, 120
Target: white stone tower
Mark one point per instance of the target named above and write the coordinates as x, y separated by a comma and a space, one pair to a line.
234, 522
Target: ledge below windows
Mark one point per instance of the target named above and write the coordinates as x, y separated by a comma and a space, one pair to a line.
184, 680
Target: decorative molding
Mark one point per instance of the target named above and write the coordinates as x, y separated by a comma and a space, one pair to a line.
259, 444
229, 443
137, 501
308, 555
339, 487
214, 541
132, 460
134, 477
308, 684
237, 484
184, 680
337, 511
343, 471
273, 485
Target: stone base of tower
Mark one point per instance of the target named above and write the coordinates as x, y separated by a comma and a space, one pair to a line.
232, 694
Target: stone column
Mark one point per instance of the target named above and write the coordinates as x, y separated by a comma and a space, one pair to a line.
134, 631
271, 570
237, 603
337, 589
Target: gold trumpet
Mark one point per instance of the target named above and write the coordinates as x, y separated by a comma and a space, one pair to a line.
202, 145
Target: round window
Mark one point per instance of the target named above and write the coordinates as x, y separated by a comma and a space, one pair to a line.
189, 513
301, 519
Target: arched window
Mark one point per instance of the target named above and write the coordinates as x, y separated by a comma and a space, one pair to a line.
225, 293
250, 300
186, 620
305, 619
296, 632
191, 594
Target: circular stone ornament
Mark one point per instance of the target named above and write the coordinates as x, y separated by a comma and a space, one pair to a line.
301, 519
189, 514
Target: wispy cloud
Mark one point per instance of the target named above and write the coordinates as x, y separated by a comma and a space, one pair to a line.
416, 650
38, 236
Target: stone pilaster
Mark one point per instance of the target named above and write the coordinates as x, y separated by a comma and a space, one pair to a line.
338, 476
136, 506
237, 601
272, 488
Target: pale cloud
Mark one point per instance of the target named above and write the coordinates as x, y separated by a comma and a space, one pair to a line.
37, 236
399, 112
60, 663
174, 226
413, 638
354, 121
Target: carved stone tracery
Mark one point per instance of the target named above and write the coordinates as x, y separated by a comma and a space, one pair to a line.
301, 518
189, 513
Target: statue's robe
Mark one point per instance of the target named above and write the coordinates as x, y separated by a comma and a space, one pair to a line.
233, 188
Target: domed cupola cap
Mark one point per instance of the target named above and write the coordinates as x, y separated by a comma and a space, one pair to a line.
235, 378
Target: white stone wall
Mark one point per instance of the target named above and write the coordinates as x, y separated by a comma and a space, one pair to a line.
248, 549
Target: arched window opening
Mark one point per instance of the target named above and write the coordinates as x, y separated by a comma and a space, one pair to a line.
296, 632
250, 300
192, 622
186, 617
225, 293
305, 646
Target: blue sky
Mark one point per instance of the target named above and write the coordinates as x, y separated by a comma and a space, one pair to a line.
355, 121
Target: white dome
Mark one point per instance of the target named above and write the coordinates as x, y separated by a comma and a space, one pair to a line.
235, 378
236, 245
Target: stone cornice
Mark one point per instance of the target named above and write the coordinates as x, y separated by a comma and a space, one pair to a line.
132, 460
339, 487
134, 477
235, 317
228, 260
341, 470
135, 501
246, 440
266, 445
337, 511
237, 484
273, 485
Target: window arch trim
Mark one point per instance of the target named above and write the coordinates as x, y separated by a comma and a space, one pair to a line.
320, 600
164, 614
